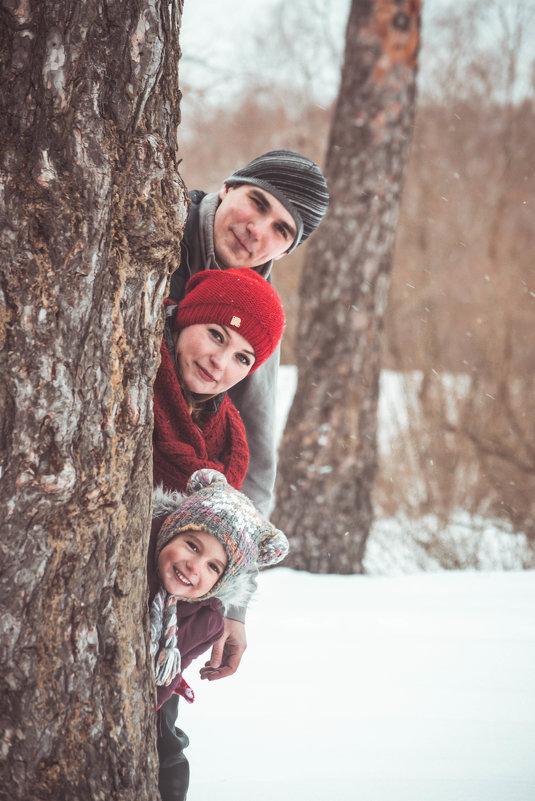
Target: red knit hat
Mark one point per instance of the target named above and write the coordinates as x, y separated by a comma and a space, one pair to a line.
237, 298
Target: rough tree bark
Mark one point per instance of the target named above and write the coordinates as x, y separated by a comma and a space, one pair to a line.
328, 455
92, 210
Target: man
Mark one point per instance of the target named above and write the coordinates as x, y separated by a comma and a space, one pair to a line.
262, 212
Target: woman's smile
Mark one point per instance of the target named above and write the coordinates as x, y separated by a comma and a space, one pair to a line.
204, 373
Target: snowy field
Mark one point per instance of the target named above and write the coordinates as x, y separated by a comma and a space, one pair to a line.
415, 687
402, 688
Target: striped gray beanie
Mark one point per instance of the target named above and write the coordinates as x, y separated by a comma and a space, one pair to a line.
296, 181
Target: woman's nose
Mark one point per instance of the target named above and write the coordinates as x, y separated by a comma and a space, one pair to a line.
220, 358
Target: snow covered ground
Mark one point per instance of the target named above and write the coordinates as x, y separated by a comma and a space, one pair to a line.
415, 687
374, 688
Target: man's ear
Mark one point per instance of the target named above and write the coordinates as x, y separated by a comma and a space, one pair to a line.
223, 191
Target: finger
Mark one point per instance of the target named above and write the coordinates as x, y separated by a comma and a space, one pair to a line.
217, 654
219, 673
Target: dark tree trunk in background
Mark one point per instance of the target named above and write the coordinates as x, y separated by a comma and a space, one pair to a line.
328, 455
92, 210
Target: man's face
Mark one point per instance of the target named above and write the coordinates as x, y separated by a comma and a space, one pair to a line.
251, 227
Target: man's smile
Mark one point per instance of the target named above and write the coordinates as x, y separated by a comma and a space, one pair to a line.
241, 243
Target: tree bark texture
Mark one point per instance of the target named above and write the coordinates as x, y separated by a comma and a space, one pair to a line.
92, 211
328, 455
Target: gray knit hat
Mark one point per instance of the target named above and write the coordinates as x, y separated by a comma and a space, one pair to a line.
296, 181
214, 506
211, 505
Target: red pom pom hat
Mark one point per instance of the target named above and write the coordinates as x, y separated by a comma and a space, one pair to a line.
237, 298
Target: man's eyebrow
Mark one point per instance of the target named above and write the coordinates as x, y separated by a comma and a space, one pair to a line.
264, 199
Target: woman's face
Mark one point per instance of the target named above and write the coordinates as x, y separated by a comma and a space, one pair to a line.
212, 358
191, 563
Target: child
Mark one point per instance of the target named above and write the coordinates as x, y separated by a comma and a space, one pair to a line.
202, 547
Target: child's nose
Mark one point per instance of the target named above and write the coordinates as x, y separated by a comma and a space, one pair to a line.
193, 570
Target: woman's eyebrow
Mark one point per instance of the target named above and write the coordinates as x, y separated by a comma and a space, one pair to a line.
250, 352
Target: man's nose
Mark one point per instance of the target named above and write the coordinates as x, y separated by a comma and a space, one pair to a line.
256, 227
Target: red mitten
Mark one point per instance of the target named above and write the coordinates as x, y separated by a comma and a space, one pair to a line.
185, 691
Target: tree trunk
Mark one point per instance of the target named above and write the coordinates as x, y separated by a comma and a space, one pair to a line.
328, 455
92, 211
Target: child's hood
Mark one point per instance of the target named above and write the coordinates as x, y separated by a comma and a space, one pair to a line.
235, 592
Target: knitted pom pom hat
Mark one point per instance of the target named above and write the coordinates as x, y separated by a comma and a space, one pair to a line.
296, 181
212, 505
237, 298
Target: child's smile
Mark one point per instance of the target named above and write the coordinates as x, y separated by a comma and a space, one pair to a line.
191, 563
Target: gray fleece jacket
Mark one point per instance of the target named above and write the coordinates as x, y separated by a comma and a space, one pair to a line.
255, 396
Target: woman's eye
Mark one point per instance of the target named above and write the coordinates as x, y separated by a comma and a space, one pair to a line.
245, 360
217, 335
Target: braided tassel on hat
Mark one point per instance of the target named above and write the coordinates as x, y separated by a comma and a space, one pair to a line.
164, 625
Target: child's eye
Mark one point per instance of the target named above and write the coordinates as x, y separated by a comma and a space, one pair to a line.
217, 335
193, 546
214, 567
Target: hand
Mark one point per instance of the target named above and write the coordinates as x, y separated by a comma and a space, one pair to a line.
227, 651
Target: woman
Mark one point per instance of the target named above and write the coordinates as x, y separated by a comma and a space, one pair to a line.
227, 325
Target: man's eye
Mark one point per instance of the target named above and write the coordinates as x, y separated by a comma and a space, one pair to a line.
282, 231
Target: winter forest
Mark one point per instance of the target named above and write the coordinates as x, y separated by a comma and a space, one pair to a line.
391, 656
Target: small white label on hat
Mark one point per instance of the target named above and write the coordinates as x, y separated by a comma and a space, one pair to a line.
236, 321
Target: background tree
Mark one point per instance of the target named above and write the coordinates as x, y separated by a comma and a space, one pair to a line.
328, 456
462, 304
92, 209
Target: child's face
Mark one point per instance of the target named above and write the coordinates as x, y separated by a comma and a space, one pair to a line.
191, 563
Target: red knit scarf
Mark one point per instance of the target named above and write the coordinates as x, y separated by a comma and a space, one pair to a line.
180, 447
